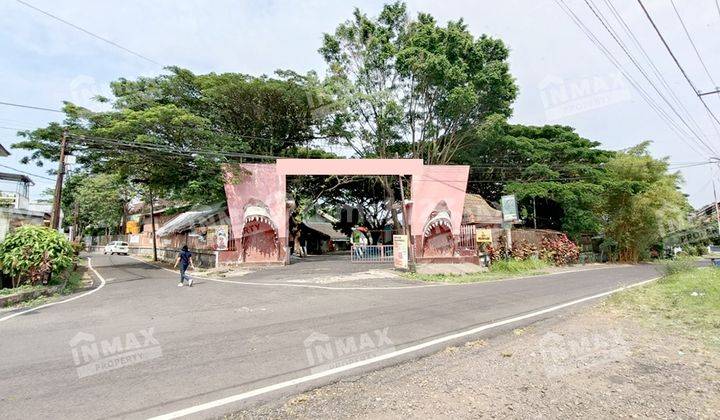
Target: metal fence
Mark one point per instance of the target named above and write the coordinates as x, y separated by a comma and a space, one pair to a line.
466, 240
371, 253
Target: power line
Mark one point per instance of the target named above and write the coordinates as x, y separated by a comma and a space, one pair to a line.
677, 63
27, 173
655, 69
622, 45
114, 44
693, 44
31, 107
168, 148
643, 94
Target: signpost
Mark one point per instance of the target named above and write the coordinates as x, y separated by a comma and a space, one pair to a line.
510, 215
400, 251
509, 208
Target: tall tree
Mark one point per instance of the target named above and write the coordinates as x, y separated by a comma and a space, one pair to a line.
555, 174
411, 87
182, 127
642, 201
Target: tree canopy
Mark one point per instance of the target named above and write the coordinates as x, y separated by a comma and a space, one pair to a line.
412, 87
395, 86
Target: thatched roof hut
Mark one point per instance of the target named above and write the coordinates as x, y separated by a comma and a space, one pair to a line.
477, 211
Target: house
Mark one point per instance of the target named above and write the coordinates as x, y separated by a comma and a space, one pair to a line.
478, 212
319, 235
15, 206
203, 228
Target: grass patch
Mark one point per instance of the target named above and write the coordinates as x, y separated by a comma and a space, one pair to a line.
498, 270
20, 289
687, 301
74, 282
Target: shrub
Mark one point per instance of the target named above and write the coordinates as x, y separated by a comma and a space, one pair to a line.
31, 254
522, 250
518, 266
679, 264
78, 247
559, 250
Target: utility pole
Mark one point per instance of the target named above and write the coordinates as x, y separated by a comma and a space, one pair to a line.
717, 210
76, 224
712, 177
55, 221
406, 227
152, 222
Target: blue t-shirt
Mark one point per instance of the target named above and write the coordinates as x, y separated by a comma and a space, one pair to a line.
185, 258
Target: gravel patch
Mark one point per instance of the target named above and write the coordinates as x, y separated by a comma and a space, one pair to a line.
589, 364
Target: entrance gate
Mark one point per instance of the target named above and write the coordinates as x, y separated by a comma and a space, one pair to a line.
258, 205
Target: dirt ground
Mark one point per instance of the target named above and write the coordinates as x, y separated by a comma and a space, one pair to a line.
590, 363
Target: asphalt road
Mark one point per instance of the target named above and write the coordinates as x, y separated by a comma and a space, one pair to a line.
161, 348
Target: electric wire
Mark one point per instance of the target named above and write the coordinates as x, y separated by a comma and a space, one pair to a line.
656, 71
677, 62
87, 32
30, 107
27, 173
643, 94
697, 53
622, 45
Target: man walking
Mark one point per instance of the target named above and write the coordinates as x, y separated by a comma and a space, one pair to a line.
185, 260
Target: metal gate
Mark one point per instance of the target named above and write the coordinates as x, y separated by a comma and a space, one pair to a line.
371, 253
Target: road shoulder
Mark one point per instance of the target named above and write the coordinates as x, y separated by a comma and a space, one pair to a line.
590, 362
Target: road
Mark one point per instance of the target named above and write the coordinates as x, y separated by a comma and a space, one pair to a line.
184, 347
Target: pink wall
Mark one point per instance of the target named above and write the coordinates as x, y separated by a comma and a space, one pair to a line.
261, 182
349, 166
436, 183
266, 182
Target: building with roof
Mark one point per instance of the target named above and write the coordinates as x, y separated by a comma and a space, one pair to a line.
478, 212
15, 207
319, 236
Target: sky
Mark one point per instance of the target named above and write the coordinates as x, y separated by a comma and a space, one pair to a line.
563, 78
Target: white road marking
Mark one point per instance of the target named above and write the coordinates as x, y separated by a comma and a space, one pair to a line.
102, 284
310, 286
340, 369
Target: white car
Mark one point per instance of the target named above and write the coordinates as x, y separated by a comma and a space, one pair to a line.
116, 247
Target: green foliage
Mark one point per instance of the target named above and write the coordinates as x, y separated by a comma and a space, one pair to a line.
686, 302
642, 201
100, 201
551, 167
200, 117
518, 266
679, 264
31, 254
412, 87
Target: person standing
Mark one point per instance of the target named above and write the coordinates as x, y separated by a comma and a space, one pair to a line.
184, 258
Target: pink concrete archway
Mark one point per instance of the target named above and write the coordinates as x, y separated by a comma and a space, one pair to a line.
258, 205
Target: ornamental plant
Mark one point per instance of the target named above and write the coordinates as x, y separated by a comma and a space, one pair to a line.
32, 254
559, 250
522, 250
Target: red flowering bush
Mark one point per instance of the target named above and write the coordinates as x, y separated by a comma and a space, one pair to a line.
522, 250
493, 253
559, 250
